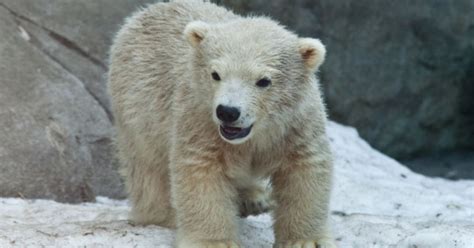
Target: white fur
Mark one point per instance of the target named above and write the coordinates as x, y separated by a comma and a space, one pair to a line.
179, 171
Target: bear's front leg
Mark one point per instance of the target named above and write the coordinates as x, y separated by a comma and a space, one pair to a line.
205, 202
302, 192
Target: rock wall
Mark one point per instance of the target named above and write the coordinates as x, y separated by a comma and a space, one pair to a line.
55, 122
401, 72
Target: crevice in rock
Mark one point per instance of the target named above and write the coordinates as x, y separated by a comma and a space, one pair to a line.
58, 37
38, 45
73, 46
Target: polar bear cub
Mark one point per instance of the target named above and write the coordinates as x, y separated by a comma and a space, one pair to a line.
220, 116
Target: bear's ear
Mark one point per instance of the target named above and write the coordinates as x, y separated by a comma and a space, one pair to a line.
195, 32
312, 51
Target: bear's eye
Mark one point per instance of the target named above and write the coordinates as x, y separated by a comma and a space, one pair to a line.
264, 82
216, 76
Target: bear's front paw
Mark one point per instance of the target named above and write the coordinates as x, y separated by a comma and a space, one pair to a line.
321, 243
255, 201
209, 244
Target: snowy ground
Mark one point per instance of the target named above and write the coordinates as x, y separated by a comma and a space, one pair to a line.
376, 203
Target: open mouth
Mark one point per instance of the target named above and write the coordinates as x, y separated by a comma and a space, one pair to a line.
232, 133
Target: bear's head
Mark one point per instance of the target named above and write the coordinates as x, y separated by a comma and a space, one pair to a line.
252, 74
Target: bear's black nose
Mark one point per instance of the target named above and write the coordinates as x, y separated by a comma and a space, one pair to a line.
227, 114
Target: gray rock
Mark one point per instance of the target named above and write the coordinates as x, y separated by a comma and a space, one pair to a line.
402, 75
402, 72
455, 165
55, 122
88, 25
77, 34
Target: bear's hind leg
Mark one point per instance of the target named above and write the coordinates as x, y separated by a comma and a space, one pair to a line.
149, 193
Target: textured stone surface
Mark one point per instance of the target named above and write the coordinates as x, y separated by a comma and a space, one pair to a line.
77, 34
55, 123
401, 72
403, 77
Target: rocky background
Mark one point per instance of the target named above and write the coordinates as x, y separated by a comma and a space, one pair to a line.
401, 72
55, 121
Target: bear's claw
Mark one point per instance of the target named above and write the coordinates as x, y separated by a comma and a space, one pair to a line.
255, 201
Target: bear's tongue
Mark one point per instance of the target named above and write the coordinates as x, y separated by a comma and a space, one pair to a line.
232, 130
